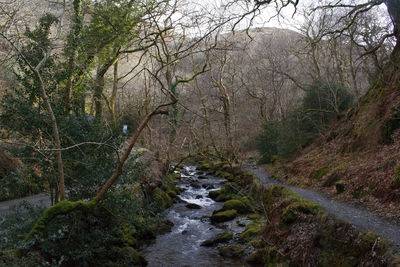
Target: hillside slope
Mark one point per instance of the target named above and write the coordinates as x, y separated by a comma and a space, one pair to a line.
358, 160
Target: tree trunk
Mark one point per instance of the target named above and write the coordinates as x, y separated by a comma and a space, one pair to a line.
134, 138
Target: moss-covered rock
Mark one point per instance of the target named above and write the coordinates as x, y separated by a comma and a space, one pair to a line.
238, 205
254, 216
231, 251
219, 238
62, 207
228, 191
214, 194
223, 216
251, 232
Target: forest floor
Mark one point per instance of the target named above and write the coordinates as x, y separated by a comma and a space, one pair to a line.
354, 214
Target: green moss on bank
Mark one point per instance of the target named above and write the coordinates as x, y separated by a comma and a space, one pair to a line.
62, 207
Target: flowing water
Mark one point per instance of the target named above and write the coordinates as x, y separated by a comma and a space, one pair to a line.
181, 246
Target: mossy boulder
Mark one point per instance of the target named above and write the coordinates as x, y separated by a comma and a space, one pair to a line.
231, 251
62, 207
228, 191
193, 206
219, 238
238, 205
223, 216
251, 232
254, 216
267, 255
214, 194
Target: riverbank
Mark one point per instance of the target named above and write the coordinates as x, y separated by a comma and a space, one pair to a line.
287, 228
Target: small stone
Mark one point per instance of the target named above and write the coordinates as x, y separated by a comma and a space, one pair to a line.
241, 224
195, 185
193, 206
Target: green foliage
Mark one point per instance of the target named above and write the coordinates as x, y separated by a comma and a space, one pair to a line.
322, 104
76, 233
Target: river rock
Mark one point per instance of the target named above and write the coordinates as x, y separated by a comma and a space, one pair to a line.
223, 216
236, 204
195, 185
219, 238
202, 176
208, 186
193, 206
199, 196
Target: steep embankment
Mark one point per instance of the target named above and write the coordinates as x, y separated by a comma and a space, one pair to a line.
359, 159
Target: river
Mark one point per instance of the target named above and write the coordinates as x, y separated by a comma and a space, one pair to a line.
182, 246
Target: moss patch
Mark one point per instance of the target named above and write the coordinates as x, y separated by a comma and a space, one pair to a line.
238, 205
62, 207
223, 216
251, 232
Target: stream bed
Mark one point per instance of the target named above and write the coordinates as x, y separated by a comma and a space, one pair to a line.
192, 226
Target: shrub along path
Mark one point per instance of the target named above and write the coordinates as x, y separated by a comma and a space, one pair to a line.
357, 216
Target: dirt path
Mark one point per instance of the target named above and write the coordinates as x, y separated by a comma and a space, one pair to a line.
359, 217
40, 199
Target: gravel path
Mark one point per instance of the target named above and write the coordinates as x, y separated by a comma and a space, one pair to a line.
40, 199
359, 217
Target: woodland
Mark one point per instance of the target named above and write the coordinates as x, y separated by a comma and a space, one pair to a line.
105, 104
